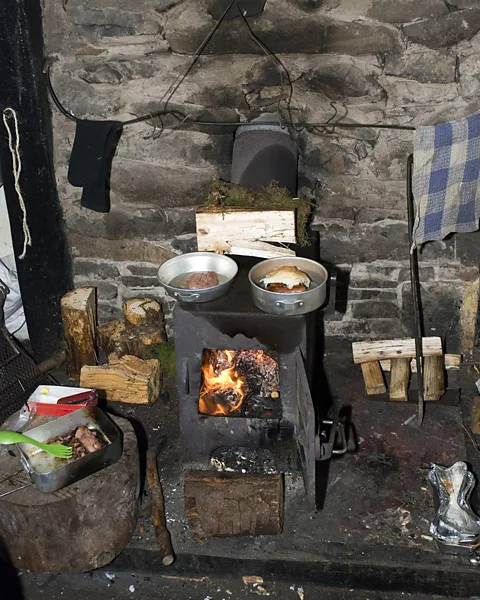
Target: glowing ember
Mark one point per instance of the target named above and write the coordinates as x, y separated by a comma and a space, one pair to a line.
226, 382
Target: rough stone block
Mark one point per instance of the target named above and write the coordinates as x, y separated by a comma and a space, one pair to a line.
392, 11
281, 30
359, 294
428, 66
86, 100
95, 270
130, 17
143, 270
166, 186
343, 80
108, 312
139, 282
366, 329
468, 248
446, 30
441, 304
118, 250
377, 309
373, 283
105, 291
405, 91
179, 148
250, 8
185, 243
469, 77
456, 273
425, 274
330, 155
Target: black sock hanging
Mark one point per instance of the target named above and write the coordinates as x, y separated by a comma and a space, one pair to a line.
89, 162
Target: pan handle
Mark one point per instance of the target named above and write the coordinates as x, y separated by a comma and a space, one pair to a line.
332, 293
186, 296
289, 305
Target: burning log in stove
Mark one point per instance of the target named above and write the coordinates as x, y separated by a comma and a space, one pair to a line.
232, 378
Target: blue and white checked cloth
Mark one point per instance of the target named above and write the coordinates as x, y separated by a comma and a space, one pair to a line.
446, 179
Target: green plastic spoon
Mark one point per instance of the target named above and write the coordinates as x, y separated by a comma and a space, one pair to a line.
12, 437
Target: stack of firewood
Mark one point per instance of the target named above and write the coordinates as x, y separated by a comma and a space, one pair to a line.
128, 376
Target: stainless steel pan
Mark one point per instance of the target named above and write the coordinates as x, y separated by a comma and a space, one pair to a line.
297, 303
174, 269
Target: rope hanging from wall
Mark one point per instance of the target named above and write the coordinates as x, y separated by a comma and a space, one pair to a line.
9, 114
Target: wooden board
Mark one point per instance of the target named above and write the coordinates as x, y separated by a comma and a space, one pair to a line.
373, 378
79, 317
452, 362
246, 232
433, 378
232, 504
126, 379
402, 348
399, 378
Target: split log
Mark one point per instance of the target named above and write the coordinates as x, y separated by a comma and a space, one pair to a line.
399, 378
79, 316
452, 362
373, 378
231, 504
383, 349
245, 232
119, 338
138, 311
127, 379
433, 378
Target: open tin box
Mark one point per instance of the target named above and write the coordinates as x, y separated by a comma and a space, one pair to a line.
50, 473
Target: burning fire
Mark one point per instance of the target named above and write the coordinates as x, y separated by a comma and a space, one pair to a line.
226, 382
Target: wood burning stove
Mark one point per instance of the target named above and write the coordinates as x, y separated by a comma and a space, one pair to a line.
244, 379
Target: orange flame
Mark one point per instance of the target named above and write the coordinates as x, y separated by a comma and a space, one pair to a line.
227, 381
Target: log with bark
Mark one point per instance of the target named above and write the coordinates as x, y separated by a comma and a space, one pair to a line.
120, 338
231, 504
140, 311
126, 379
79, 317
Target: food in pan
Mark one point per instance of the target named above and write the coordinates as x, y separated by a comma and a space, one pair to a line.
201, 280
82, 440
286, 280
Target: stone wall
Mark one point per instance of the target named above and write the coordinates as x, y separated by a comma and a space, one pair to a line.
370, 61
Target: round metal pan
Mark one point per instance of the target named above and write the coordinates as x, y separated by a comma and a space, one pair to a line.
297, 303
195, 262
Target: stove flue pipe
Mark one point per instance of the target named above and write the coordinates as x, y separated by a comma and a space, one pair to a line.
264, 153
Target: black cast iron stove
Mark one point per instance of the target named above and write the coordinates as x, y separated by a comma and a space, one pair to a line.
233, 323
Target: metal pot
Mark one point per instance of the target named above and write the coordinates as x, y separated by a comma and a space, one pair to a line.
223, 266
297, 303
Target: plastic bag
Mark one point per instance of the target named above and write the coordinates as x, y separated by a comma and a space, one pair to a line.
15, 321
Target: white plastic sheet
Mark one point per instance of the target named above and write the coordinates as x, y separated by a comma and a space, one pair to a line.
13, 308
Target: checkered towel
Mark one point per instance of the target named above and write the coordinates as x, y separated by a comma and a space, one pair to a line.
446, 179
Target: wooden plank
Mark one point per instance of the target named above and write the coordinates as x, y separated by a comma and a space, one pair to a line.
126, 379
373, 378
399, 378
452, 362
433, 378
245, 232
401, 348
231, 504
468, 315
79, 317
475, 426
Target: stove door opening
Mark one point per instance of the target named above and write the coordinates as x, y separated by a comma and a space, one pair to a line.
240, 383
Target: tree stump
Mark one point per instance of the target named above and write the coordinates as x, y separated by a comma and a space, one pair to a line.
79, 316
231, 504
77, 529
120, 338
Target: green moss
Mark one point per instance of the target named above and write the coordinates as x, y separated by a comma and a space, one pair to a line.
166, 355
227, 195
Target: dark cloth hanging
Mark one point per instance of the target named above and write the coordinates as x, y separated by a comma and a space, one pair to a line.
90, 161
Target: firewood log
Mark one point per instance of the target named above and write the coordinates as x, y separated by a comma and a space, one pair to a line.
126, 379
138, 311
120, 338
79, 316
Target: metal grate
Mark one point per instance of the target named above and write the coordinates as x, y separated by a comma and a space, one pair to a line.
19, 376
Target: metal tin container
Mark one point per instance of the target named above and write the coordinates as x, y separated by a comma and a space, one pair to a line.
297, 303
50, 473
175, 269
